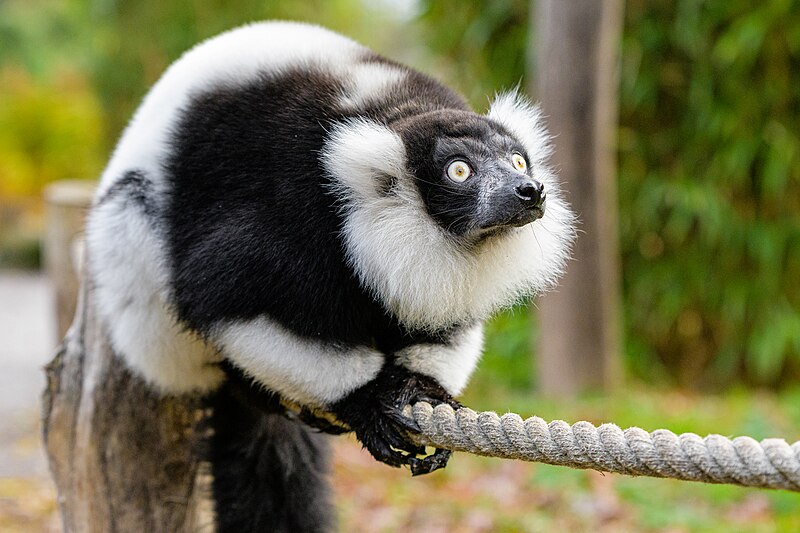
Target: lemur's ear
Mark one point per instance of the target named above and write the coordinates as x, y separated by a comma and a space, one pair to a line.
362, 156
524, 120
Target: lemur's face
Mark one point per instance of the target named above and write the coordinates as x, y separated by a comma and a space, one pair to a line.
474, 176
433, 206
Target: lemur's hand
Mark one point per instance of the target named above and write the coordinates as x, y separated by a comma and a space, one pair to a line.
374, 412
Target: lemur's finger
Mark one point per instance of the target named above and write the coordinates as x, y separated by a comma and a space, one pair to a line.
400, 442
399, 418
452, 402
381, 450
426, 465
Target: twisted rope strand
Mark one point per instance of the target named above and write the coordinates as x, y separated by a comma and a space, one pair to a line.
771, 463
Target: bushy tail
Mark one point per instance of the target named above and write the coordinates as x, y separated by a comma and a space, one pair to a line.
270, 472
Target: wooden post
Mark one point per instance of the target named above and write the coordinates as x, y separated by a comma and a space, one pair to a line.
576, 52
123, 458
66, 203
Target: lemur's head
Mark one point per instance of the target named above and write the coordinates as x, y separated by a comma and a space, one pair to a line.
472, 174
450, 215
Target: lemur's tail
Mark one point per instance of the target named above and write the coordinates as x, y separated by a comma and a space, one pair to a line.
270, 472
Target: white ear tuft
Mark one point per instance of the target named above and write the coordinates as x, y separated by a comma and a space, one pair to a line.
524, 120
358, 152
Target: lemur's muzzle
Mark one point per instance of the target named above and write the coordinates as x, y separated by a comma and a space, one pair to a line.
531, 193
516, 205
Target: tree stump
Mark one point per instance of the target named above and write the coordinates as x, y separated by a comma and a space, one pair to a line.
123, 458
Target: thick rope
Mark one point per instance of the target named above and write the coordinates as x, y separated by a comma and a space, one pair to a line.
771, 463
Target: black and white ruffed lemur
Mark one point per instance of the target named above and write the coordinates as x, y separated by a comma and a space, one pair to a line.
292, 219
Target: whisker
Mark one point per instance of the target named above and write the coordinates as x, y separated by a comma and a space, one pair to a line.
447, 186
548, 230
456, 221
536, 237
453, 210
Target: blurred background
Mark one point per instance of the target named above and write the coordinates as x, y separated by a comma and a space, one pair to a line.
707, 149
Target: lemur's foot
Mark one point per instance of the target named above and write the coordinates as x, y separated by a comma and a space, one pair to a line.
375, 412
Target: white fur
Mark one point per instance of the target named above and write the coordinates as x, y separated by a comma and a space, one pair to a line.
369, 81
355, 152
306, 371
449, 364
525, 122
409, 262
232, 58
128, 273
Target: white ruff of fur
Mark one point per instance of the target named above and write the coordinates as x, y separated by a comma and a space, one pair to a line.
451, 365
409, 262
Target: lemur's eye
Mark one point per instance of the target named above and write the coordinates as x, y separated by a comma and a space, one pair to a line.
458, 171
519, 162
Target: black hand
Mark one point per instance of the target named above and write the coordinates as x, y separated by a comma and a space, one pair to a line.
374, 412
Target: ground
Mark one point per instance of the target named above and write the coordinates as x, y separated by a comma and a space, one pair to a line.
473, 494
27, 341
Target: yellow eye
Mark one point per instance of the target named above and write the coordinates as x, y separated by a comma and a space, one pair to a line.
458, 171
519, 162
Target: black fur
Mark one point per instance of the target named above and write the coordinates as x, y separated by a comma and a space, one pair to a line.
252, 230
437, 138
270, 473
252, 227
133, 187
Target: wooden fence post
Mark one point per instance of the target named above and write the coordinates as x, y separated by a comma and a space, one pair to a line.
66, 203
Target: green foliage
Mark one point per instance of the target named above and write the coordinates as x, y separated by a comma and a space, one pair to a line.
51, 126
484, 43
47, 132
136, 41
710, 188
508, 343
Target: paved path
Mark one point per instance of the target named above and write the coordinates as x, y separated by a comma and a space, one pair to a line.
27, 342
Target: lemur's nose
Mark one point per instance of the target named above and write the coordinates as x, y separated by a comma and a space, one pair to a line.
531, 192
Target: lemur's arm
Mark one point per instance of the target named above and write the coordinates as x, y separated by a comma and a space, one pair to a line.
302, 370
362, 388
